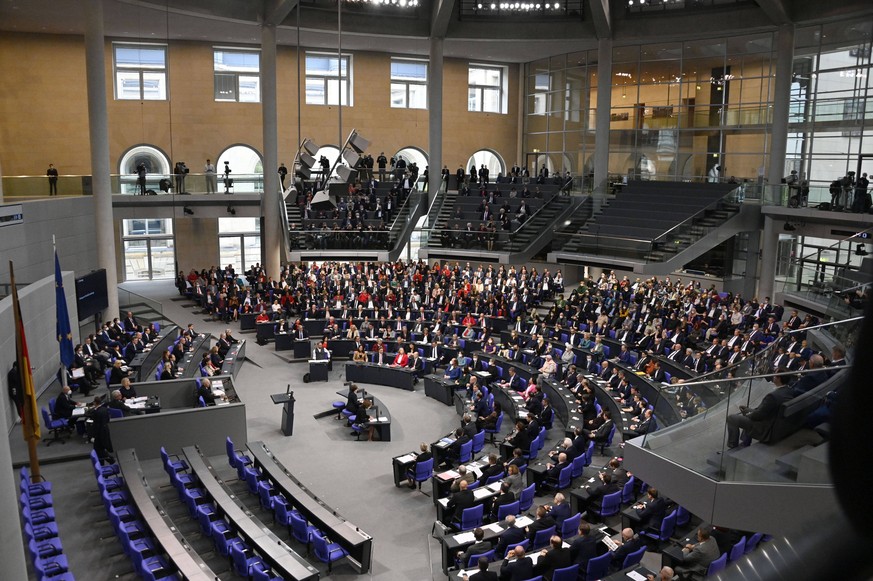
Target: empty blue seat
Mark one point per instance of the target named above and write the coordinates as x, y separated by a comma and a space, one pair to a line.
327, 552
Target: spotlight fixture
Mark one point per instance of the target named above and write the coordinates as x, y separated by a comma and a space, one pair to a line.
231, 210
188, 211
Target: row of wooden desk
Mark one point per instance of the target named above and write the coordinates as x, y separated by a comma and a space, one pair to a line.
180, 555
282, 559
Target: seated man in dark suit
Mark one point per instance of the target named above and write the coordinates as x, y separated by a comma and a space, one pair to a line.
553, 471
559, 509
459, 501
493, 469
585, 547
653, 510
601, 434
521, 438
555, 557
118, 403
630, 542
64, 404
476, 548
543, 521
599, 490
423, 456
811, 380
505, 497
517, 566
757, 422
483, 574
511, 536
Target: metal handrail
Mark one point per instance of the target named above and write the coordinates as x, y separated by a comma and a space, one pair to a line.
697, 214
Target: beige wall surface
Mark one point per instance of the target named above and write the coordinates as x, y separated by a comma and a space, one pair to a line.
45, 110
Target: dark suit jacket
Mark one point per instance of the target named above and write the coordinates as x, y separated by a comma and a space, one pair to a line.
490, 471
474, 549
461, 500
560, 512
554, 559
618, 556
765, 414
484, 576
584, 548
518, 570
539, 525
64, 407
509, 537
653, 513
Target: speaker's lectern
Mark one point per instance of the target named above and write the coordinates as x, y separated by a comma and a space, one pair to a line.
287, 400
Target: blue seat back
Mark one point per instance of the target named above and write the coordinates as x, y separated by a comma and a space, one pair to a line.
471, 517
497, 425
717, 565
570, 573
627, 491
474, 559
523, 544
465, 454
541, 538
423, 470
634, 558
565, 477
611, 504
752, 543
682, 516
507, 509
598, 567
570, 526
478, 442
578, 465
526, 497
737, 550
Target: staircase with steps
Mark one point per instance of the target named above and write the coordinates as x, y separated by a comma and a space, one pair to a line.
542, 221
443, 200
672, 244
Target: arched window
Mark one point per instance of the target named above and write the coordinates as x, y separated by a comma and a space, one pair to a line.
246, 168
413, 155
331, 152
156, 162
490, 159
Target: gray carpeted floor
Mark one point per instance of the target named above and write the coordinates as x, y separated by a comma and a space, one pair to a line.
354, 478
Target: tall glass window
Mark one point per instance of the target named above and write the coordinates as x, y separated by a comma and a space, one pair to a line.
486, 91
140, 72
237, 75
328, 79
408, 84
239, 242
831, 122
149, 249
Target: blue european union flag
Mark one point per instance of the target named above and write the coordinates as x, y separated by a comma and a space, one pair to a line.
65, 335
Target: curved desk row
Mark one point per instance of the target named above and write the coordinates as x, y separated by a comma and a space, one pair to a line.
233, 359
190, 364
145, 362
281, 558
358, 543
400, 377
666, 409
165, 533
523, 370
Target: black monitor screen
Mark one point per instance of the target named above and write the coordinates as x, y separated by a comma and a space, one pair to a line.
91, 294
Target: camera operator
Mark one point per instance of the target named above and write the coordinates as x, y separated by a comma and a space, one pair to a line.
228, 182
141, 179
180, 171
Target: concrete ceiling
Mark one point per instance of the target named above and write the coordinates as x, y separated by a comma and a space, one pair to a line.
238, 21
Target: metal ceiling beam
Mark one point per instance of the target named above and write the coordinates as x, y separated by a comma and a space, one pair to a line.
601, 18
276, 11
776, 11
442, 14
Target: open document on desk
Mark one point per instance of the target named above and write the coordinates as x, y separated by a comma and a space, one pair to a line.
406, 458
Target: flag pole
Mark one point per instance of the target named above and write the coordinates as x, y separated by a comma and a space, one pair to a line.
62, 369
29, 421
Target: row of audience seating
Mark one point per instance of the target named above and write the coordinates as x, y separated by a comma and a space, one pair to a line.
41, 530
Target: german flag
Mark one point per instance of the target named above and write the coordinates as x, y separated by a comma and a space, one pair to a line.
31, 417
